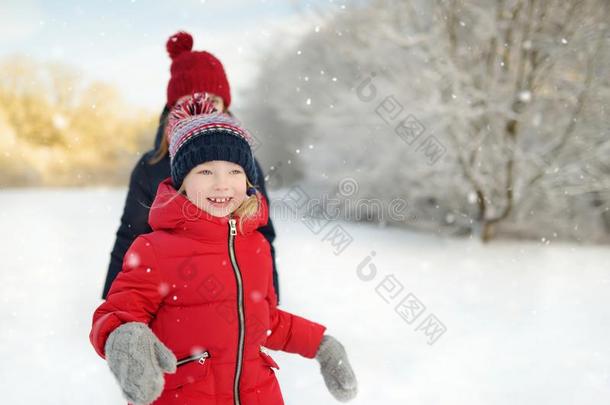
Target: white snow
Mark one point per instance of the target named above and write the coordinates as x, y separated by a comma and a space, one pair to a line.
527, 323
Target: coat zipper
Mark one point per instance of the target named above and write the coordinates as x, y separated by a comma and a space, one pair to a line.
240, 310
201, 357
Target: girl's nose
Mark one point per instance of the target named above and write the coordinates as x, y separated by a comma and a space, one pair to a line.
221, 183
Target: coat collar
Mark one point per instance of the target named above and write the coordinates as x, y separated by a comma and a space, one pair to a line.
175, 213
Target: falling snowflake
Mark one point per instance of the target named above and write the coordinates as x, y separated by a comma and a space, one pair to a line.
59, 121
133, 260
256, 296
163, 289
525, 96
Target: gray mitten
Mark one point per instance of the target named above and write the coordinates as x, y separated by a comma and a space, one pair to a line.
137, 358
336, 370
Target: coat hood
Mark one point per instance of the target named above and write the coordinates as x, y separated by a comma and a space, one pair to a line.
175, 213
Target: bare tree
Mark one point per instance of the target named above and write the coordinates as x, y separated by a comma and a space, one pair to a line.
515, 91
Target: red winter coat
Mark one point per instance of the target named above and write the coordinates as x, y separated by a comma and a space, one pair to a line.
208, 296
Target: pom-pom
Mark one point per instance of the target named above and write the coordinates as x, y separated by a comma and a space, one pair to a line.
178, 43
195, 104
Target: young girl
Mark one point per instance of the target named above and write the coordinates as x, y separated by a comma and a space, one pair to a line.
195, 297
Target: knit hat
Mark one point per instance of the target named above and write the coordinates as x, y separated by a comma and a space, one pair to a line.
194, 71
198, 133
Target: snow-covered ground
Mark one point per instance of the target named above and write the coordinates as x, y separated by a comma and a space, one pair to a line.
526, 323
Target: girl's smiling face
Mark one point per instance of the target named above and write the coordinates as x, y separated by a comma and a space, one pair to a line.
217, 187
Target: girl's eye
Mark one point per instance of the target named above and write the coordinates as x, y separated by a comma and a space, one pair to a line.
236, 171
205, 171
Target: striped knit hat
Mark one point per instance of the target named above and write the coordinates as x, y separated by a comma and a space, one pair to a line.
198, 133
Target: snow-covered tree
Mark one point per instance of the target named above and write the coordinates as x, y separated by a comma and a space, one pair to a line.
489, 115
56, 128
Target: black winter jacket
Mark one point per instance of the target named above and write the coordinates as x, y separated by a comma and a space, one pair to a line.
145, 179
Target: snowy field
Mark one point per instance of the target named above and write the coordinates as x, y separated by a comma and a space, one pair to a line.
526, 323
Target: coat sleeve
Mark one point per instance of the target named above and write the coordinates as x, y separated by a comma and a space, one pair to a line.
268, 231
291, 333
134, 221
135, 295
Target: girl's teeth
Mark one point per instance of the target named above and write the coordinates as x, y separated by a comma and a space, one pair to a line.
219, 200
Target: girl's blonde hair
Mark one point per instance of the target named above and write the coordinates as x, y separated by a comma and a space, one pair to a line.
247, 209
161, 152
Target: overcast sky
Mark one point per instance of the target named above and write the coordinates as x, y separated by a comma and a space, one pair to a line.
123, 41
